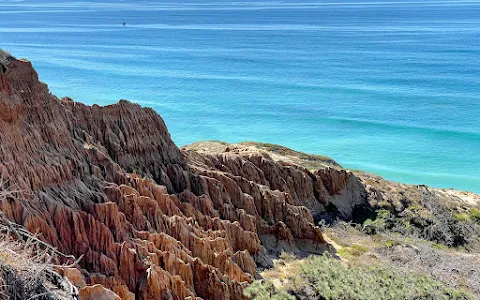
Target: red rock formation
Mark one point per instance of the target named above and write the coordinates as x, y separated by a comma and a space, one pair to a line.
152, 221
96, 292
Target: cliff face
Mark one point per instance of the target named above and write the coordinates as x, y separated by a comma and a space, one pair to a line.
150, 219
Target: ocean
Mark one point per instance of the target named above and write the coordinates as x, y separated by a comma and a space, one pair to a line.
389, 87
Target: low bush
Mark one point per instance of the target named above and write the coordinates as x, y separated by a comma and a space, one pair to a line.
286, 257
461, 217
322, 277
354, 250
474, 214
265, 290
392, 243
429, 220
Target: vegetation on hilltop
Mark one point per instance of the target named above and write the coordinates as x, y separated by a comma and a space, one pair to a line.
311, 160
421, 212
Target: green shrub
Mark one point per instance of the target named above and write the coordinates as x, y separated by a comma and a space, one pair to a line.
391, 243
353, 250
439, 246
286, 257
430, 220
474, 214
461, 217
265, 290
322, 277
415, 207
382, 222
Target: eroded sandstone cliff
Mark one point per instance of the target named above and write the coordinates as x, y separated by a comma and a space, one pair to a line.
153, 221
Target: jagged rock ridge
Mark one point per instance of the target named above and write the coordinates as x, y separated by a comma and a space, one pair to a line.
152, 221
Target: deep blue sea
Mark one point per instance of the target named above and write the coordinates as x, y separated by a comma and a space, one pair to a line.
390, 87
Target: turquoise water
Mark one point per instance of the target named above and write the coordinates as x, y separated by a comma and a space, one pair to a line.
391, 87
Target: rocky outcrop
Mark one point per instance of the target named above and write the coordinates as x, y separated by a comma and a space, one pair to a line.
96, 292
328, 186
152, 221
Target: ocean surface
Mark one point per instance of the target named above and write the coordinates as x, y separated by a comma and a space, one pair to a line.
390, 87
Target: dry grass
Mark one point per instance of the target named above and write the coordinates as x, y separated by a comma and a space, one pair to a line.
23, 271
27, 264
286, 265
